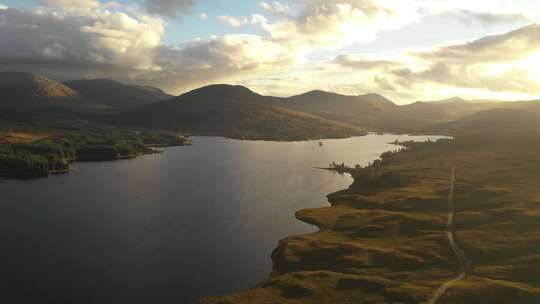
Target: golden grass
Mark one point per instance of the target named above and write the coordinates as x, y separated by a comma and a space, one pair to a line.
22, 137
388, 245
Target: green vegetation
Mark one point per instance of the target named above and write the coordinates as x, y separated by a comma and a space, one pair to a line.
383, 240
23, 166
41, 157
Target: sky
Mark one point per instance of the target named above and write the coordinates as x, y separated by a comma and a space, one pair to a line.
406, 50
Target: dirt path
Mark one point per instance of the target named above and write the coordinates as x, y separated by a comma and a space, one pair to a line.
465, 262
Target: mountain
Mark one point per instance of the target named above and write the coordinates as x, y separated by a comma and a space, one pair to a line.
453, 100
518, 124
355, 110
28, 92
234, 111
450, 109
116, 94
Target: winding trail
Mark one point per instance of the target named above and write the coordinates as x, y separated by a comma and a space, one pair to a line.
465, 262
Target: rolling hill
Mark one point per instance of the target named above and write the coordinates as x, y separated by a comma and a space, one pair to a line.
349, 109
27, 92
500, 122
370, 111
450, 109
235, 111
337, 106
116, 94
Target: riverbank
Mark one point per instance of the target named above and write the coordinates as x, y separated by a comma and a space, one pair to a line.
387, 244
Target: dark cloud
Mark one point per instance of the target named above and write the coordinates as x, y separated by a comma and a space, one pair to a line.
113, 44
169, 8
77, 41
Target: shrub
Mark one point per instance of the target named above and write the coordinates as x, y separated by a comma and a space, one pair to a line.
97, 153
23, 166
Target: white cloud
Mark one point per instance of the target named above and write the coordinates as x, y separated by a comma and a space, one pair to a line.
77, 39
229, 58
364, 62
509, 46
75, 5
276, 8
233, 21
325, 23
203, 16
499, 66
3, 7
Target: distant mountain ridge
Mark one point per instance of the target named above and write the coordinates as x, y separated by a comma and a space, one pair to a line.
30, 92
237, 111
116, 94
24, 91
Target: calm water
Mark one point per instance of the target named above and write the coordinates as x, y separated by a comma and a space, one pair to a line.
167, 228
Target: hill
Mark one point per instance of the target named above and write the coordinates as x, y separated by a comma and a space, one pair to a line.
234, 111
504, 125
445, 111
28, 92
355, 110
116, 94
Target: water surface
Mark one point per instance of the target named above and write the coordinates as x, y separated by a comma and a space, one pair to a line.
169, 228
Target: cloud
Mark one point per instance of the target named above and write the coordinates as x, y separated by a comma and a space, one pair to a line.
499, 63
499, 66
214, 59
510, 46
3, 7
75, 5
512, 80
203, 16
325, 23
498, 11
70, 40
169, 8
126, 45
363, 62
489, 18
233, 21
276, 8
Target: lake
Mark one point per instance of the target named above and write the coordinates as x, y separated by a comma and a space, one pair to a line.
169, 228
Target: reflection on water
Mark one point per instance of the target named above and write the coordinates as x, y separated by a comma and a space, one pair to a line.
167, 228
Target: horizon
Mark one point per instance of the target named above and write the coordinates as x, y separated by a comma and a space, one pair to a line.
407, 51
299, 94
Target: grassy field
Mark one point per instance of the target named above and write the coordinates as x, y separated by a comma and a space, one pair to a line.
387, 244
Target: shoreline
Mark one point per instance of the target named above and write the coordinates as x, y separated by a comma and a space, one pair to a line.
290, 269
390, 243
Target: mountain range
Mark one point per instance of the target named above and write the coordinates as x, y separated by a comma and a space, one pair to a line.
236, 111
117, 95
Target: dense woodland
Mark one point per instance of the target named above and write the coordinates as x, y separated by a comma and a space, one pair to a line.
53, 155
